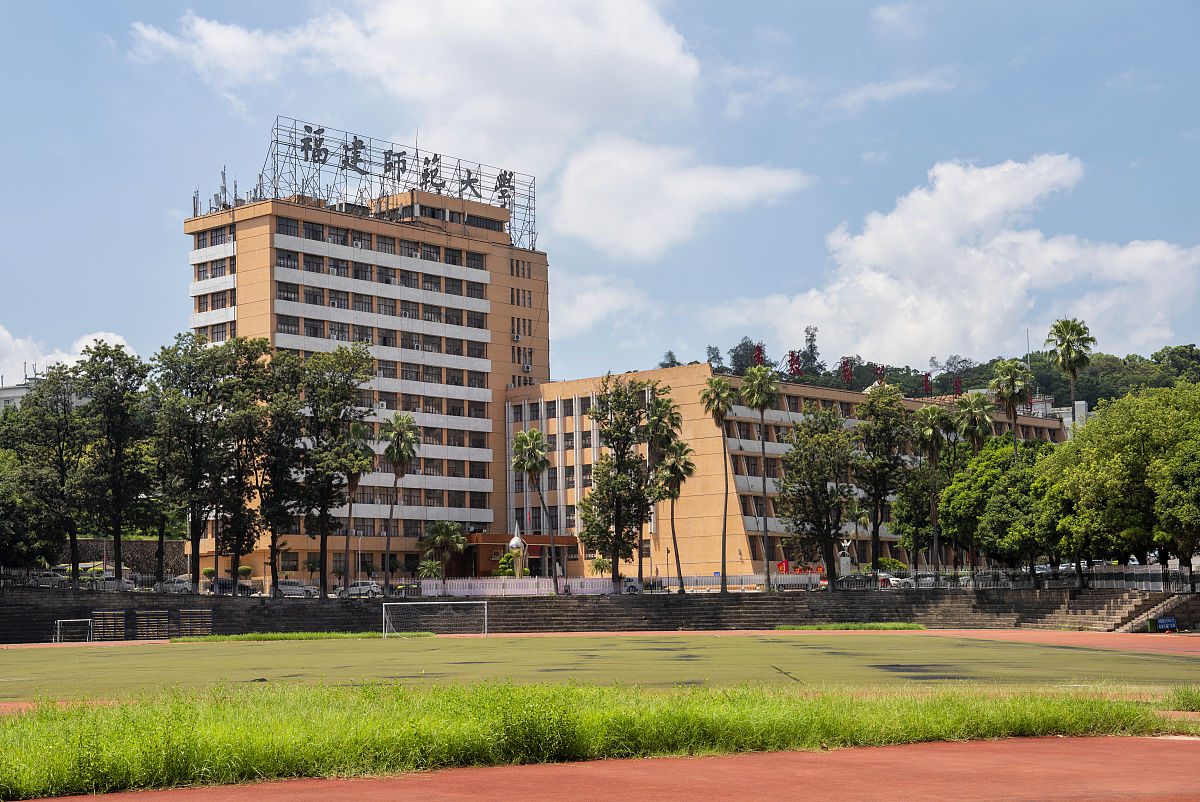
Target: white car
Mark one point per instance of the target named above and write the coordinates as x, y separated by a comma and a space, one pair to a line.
294, 587
47, 579
109, 583
175, 584
363, 588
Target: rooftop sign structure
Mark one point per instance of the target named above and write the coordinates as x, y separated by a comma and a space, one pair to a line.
361, 174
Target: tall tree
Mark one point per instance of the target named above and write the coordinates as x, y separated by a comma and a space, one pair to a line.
360, 459
186, 382
718, 398
280, 491
973, 418
401, 438
743, 356
815, 489
930, 425
810, 357
669, 360
1071, 349
760, 391
529, 448
620, 416
112, 380
1013, 386
677, 467
611, 515
663, 422
443, 540
48, 440
714, 358
331, 387
882, 432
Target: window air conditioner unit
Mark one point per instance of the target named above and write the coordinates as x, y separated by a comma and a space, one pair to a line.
381, 405
356, 244
404, 314
389, 281
508, 386
516, 338
527, 368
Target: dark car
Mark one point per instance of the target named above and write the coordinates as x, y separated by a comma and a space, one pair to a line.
223, 586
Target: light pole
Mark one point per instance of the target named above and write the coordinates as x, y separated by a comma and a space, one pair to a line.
669, 570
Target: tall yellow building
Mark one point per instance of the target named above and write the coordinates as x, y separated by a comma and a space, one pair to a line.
429, 261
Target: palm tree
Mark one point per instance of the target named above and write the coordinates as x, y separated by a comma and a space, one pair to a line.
718, 397
677, 468
359, 438
1013, 386
663, 422
760, 391
442, 540
973, 418
929, 433
529, 449
402, 438
1072, 343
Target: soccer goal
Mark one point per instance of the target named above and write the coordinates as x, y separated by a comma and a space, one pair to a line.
440, 618
72, 629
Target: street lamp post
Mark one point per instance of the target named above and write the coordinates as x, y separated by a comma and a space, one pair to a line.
669, 570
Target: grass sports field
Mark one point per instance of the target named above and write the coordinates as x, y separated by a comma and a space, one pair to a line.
227, 712
796, 659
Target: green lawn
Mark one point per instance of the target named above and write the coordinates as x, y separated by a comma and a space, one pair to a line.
797, 660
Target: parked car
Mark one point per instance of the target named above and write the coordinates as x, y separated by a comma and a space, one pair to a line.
223, 586
892, 581
175, 584
363, 588
294, 587
47, 579
109, 582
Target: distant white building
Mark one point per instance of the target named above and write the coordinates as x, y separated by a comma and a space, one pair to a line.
11, 394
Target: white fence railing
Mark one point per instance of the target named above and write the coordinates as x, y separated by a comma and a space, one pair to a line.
511, 586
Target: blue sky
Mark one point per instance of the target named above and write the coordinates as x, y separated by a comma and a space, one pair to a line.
915, 179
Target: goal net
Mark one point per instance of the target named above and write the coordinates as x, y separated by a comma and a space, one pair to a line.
440, 618
72, 629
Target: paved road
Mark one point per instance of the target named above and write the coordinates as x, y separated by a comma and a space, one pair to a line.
1053, 769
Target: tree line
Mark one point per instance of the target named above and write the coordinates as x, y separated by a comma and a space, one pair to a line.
233, 433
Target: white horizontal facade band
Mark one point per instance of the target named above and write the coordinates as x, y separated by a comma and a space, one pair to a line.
352, 254
205, 286
397, 322
212, 316
223, 251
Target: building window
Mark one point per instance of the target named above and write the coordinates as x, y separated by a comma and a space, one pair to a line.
585, 439
201, 240
485, 223
314, 295
432, 406
314, 231
314, 328
476, 320
452, 256
476, 350
386, 306
431, 343
475, 260
358, 239
454, 286
385, 275
202, 303
586, 475
287, 292
431, 374
314, 264
431, 314
477, 409
339, 299
286, 324
339, 267
478, 440
288, 259
551, 409
408, 248
287, 226
431, 253
364, 334
519, 483
454, 317
363, 303
338, 236
409, 279
339, 331
363, 272
289, 562
219, 332
385, 244
216, 269
477, 379
431, 283
569, 408
216, 236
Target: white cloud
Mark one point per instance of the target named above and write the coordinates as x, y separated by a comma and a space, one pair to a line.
854, 100
953, 268
749, 87
512, 82
874, 156
897, 19
1134, 80
634, 201
580, 303
22, 355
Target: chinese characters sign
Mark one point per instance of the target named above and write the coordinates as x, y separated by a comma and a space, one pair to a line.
339, 167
